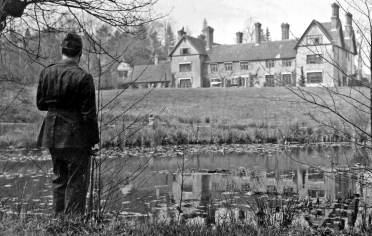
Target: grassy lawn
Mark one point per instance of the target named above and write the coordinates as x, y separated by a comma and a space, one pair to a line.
217, 115
248, 106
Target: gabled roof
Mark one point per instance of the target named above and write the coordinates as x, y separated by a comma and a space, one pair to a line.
253, 52
326, 28
198, 44
151, 73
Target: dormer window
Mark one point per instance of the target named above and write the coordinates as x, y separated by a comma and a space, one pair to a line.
185, 51
314, 39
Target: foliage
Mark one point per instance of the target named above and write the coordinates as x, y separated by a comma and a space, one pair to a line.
44, 225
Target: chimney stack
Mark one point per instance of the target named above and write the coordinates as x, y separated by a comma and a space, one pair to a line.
181, 33
285, 31
349, 25
257, 31
239, 37
349, 19
335, 19
335, 10
208, 32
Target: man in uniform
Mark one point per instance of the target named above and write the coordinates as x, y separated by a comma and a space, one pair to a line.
70, 127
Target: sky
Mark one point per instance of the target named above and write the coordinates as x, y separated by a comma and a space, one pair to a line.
230, 16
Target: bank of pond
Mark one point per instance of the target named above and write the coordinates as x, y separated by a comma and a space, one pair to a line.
311, 187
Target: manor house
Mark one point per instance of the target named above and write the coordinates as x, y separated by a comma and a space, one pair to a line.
322, 56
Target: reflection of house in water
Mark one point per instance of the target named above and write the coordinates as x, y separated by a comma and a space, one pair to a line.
305, 182
312, 182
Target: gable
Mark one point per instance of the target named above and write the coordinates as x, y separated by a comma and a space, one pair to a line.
195, 46
185, 44
315, 29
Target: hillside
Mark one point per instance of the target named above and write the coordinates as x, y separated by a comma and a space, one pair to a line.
218, 115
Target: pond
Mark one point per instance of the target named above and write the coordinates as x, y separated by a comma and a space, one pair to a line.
319, 184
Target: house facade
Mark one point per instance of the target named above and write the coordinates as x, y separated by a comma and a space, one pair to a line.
323, 56
187, 62
325, 52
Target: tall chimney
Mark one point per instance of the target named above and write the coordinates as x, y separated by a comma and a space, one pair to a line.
349, 25
285, 31
181, 33
208, 32
335, 19
239, 37
349, 18
257, 31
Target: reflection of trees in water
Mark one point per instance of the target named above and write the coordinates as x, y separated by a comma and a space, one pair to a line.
360, 155
285, 170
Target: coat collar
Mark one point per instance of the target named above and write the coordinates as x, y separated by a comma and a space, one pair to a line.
68, 62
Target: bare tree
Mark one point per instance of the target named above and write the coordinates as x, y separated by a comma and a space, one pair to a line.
27, 27
248, 31
122, 14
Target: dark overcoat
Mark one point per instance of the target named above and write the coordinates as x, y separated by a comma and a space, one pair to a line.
67, 92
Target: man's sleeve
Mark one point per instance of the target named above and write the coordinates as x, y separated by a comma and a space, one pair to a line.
40, 95
88, 109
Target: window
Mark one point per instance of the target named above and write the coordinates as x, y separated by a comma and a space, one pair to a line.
123, 74
287, 79
185, 51
269, 81
287, 63
314, 39
228, 66
270, 63
315, 77
314, 59
185, 67
214, 67
185, 83
244, 66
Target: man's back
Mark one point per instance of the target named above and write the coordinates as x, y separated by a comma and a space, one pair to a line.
60, 86
67, 92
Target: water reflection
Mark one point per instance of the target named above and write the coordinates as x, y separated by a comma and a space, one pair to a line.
214, 186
